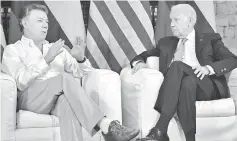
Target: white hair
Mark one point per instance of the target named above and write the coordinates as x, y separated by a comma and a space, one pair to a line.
185, 9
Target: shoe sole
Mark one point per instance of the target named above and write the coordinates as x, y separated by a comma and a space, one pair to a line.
166, 139
133, 136
110, 138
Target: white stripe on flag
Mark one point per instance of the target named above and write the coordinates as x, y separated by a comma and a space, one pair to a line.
96, 53
125, 27
207, 8
144, 18
69, 16
3, 40
108, 36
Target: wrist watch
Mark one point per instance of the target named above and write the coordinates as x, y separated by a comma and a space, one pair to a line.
82, 61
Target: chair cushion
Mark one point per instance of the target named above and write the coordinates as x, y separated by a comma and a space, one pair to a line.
215, 108
38, 134
27, 119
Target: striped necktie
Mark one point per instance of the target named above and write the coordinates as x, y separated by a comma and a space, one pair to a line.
179, 54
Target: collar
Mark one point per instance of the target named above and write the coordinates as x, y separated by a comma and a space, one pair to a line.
191, 36
30, 42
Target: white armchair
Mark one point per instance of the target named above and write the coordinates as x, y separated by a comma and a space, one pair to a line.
216, 120
103, 86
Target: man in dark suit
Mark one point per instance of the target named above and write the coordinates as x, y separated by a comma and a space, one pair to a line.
193, 66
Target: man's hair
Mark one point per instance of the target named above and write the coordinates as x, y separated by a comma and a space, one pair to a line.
187, 10
26, 11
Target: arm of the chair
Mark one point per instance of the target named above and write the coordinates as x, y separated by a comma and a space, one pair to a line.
232, 83
221, 107
104, 87
144, 78
215, 108
8, 107
139, 94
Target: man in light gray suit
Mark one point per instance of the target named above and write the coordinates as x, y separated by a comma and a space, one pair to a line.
45, 71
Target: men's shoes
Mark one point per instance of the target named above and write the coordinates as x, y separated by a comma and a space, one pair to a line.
118, 132
155, 135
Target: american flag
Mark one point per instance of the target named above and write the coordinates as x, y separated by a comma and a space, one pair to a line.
117, 30
3, 42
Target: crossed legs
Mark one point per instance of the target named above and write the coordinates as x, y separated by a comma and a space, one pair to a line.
75, 108
178, 93
63, 97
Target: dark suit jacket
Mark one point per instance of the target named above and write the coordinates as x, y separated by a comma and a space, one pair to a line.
210, 50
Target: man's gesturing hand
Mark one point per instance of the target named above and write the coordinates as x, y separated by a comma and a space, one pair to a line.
201, 71
139, 66
78, 52
54, 50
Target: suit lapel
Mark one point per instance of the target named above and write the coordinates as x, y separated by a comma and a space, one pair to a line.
198, 46
173, 46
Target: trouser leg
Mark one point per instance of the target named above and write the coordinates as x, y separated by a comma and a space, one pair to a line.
186, 108
42, 96
190, 93
70, 127
170, 88
169, 93
85, 109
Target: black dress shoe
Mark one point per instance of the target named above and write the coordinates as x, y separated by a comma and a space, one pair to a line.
118, 132
155, 135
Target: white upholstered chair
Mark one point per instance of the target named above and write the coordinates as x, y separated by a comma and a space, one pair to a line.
103, 86
216, 120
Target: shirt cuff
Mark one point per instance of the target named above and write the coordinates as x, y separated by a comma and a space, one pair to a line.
210, 69
135, 62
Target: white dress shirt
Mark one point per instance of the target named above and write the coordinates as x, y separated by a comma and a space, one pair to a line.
189, 57
24, 62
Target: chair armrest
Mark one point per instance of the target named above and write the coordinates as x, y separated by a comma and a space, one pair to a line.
143, 78
232, 83
104, 87
8, 107
139, 94
215, 108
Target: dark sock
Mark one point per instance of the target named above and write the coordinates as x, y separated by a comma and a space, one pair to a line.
190, 136
163, 123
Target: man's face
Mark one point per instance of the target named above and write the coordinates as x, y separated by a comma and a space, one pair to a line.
36, 25
180, 24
